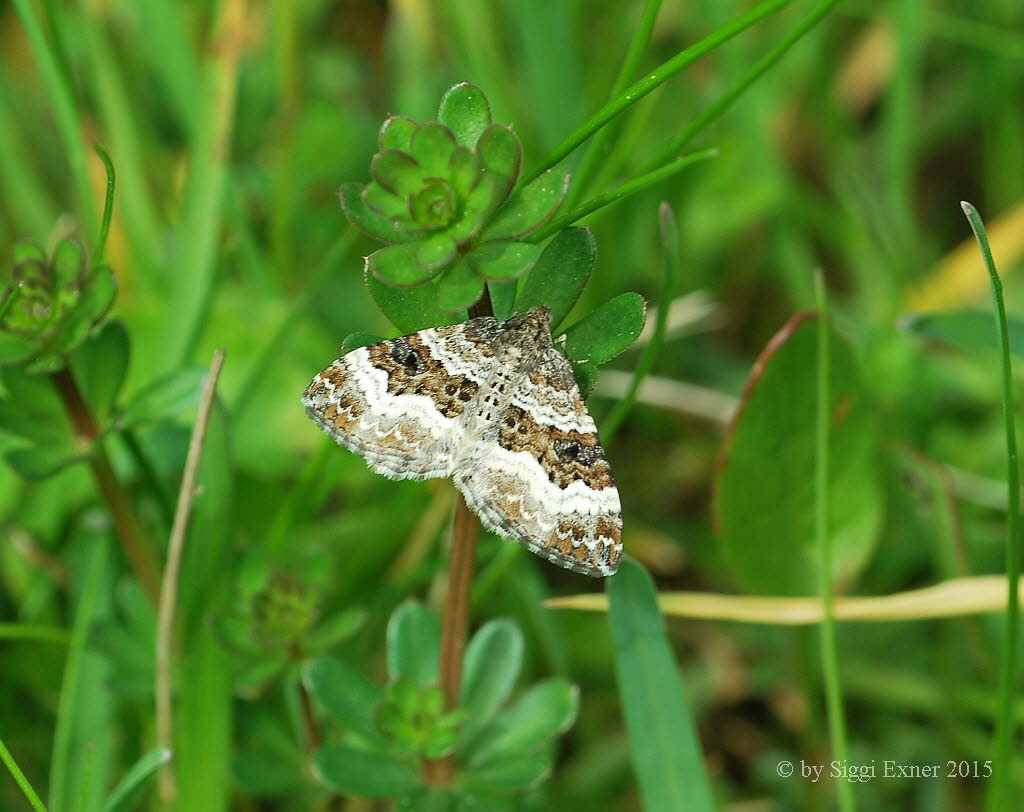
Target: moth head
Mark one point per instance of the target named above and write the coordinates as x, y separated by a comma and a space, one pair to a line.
534, 324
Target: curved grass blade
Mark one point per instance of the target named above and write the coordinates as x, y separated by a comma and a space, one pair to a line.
670, 241
20, 779
622, 192
654, 79
999, 790
662, 736
129, 788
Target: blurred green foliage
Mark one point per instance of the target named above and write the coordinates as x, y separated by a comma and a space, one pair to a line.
232, 126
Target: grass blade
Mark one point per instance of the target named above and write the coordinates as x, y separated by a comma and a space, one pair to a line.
999, 790
64, 110
130, 787
829, 654
596, 151
757, 70
670, 240
622, 192
662, 737
20, 779
73, 669
654, 79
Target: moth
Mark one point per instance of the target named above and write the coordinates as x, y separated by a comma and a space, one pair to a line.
493, 405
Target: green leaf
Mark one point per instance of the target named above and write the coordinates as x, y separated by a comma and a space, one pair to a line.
363, 773
764, 488
510, 775
347, 695
966, 330
397, 171
398, 266
586, 376
464, 110
500, 155
100, 366
459, 288
353, 341
605, 332
663, 739
475, 209
503, 298
410, 309
126, 794
396, 133
164, 398
432, 147
41, 461
504, 260
492, 662
435, 252
542, 713
370, 222
330, 632
413, 644
530, 207
265, 774
33, 410
560, 274
463, 172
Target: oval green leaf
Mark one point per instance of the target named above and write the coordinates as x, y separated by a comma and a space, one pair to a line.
370, 222
504, 260
967, 330
490, 668
410, 309
510, 775
560, 274
364, 773
542, 713
164, 398
413, 644
459, 288
764, 485
465, 111
345, 694
530, 207
396, 133
500, 155
663, 739
605, 332
398, 266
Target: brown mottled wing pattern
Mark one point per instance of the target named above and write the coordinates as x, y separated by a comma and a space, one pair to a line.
537, 473
400, 404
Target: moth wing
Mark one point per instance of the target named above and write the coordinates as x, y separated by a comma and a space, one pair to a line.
538, 475
400, 404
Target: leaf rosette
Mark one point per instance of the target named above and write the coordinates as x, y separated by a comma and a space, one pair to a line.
49, 306
442, 196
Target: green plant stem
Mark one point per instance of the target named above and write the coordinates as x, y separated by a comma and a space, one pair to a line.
654, 79
108, 204
596, 151
136, 545
757, 70
20, 779
455, 622
829, 649
670, 240
622, 192
33, 631
1002, 757
66, 114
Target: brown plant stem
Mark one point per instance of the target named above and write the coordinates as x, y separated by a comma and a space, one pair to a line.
137, 547
169, 584
455, 623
